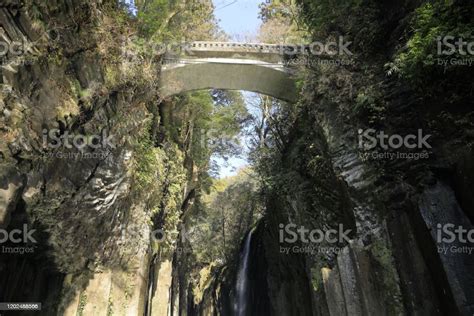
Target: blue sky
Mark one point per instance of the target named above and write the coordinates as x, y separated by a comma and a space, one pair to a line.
239, 19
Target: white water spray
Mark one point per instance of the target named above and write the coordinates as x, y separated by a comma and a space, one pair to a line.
241, 289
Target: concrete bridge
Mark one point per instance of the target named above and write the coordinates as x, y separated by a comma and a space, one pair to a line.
252, 67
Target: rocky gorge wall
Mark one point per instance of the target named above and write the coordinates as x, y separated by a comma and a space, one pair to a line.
395, 201
400, 204
90, 251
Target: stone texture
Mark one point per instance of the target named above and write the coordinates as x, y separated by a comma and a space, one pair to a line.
438, 206
10, 192
333, 290
97, 294
256, 78
350, 286
161, 298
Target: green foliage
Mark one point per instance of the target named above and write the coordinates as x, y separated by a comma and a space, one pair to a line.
205, 279
82, 304
431, 21
153, 16
206, 124
282, 23
164, 20
224, 216
369, 107
275, 9
159, 178
110, 307
316, 278
146, 162
357, 20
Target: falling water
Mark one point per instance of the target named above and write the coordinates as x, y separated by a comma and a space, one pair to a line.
240, 305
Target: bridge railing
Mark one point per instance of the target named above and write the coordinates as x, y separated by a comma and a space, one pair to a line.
247, 47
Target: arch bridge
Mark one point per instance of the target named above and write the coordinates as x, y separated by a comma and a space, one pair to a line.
256, 67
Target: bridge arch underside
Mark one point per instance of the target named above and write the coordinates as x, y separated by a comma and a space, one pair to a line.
256, 78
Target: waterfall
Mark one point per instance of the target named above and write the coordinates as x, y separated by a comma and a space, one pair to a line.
241, 289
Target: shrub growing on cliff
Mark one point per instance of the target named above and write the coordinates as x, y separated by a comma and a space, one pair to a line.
358, 20
431, 22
